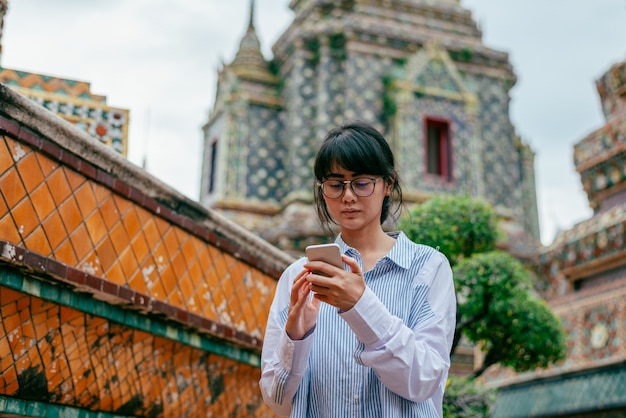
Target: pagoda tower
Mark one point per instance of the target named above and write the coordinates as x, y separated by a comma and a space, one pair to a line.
417, 70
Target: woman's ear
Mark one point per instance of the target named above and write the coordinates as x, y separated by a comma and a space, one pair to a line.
389, 186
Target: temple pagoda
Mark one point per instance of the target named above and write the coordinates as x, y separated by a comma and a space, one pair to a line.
417, 70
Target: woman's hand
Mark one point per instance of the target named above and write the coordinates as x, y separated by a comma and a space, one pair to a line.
303, 309
342, 289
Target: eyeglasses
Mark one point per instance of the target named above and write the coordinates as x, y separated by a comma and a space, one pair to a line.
362, 187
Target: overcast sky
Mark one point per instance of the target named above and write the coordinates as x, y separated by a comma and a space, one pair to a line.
159, 59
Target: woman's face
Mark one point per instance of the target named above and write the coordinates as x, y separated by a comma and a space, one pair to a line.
356, 213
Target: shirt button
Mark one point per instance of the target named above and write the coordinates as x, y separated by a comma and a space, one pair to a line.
356, 397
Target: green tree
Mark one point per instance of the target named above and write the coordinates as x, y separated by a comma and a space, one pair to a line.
497, 308
458, 226
466, 399
499, 311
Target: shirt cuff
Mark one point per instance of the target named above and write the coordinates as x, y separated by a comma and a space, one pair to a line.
360, 318
294, 354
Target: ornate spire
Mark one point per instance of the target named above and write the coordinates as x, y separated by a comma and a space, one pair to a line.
249, 62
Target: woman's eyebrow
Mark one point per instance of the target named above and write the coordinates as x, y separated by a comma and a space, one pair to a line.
334, 175
337, 175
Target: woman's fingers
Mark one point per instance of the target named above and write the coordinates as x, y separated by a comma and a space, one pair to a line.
341, 290
353, 264
302, 308
298, 284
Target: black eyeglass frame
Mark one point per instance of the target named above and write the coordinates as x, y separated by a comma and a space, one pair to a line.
320, 184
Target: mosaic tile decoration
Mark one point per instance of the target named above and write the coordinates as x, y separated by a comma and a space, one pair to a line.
596, 245
62, 213
600, 157
73, 101
183, 326
51, 84
60, 355
601, 144
595, 241
595, 321
611, 88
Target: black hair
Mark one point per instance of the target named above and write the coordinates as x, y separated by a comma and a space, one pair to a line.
357, 147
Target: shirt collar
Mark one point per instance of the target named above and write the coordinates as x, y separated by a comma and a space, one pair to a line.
397, 254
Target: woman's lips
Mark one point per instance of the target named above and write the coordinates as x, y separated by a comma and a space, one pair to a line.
349, 211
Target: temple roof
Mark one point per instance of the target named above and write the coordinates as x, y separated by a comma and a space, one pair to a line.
612, 90
600, 156
73, 101
394, 27
249, 62
49, 84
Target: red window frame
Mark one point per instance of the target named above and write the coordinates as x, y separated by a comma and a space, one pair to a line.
438, 148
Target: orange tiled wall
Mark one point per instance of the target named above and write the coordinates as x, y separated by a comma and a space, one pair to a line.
56, 354
61, 213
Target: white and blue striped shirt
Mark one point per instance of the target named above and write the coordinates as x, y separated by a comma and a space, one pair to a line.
388, 356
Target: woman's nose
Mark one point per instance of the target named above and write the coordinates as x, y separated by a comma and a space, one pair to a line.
348, 194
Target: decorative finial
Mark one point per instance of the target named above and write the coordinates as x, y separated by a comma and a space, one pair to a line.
251, 23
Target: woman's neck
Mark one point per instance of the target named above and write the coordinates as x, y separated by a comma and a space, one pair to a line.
371, 246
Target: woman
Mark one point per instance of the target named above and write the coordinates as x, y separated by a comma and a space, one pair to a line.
372, 340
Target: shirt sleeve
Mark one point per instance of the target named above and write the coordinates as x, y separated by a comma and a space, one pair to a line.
411, 362
283, 361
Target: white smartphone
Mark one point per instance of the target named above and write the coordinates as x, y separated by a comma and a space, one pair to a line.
329, 253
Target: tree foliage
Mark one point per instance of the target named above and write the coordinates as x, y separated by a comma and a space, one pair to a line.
499, 311
465, 398
497, 308
458, 225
